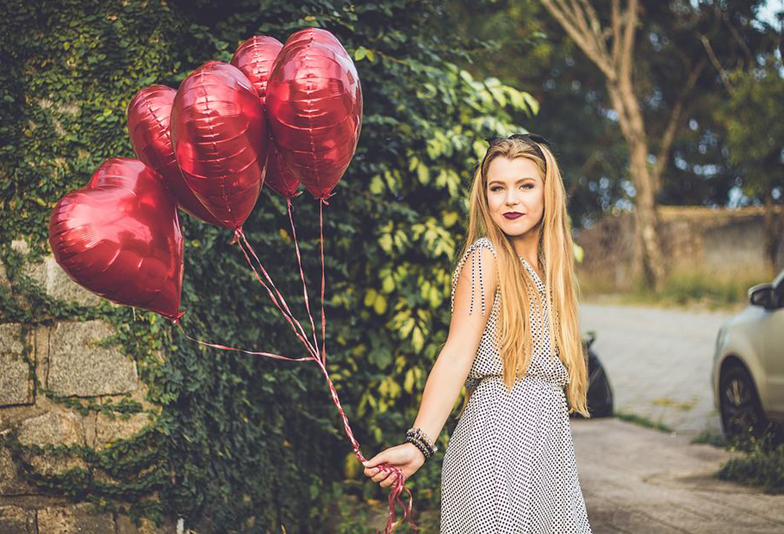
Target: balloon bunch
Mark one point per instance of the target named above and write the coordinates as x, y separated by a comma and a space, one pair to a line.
278, 114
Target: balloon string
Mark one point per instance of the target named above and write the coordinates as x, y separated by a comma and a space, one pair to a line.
264, 271
323, 317
251, 352
240, 238
301, 273
397, 486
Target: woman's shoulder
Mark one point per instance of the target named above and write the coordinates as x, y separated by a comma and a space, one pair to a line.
477, 245
481, 268
483, 242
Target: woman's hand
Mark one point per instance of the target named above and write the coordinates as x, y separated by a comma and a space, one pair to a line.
405, 457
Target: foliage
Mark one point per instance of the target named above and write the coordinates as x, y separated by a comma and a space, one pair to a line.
754, 135
710, 436
762, 465
643, 421
525, 47
244, 444
687, 286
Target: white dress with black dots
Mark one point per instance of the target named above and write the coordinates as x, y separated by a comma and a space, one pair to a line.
509, 466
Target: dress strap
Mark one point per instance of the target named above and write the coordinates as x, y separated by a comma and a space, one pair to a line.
474, 253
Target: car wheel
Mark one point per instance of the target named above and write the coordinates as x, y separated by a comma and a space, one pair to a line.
741, 413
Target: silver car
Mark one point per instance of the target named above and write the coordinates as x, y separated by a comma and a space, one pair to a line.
748, 366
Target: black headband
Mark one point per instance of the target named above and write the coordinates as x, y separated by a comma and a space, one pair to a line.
532, 138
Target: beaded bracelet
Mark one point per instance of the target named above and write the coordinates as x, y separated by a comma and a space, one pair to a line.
419, 445
417, 433
422, 442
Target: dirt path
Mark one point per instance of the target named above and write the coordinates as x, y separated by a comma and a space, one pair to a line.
638, 480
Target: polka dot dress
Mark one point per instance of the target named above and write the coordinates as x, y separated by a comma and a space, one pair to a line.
509, 466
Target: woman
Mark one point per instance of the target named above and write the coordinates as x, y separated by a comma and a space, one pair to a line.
509, 466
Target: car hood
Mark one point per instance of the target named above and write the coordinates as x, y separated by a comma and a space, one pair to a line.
750, 314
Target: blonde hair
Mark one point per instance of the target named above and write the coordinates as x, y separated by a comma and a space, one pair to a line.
556, 257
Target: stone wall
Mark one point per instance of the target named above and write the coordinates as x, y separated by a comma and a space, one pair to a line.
68, 359
721, 242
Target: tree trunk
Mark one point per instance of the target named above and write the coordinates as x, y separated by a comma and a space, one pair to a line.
646, 216
581, 22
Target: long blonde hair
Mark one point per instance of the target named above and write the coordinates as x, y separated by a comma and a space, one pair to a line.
556, 257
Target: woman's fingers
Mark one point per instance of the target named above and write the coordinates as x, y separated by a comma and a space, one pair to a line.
389, 480
379, 458
381, 475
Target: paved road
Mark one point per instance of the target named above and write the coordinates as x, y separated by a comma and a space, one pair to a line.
638, 480
658, 361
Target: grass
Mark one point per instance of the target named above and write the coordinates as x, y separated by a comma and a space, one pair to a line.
684, 287
710, 436
643, 421
678, 405
762, 466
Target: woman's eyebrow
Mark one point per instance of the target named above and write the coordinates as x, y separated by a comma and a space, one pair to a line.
518, 181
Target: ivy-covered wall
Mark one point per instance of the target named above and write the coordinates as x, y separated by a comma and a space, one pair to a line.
109, 410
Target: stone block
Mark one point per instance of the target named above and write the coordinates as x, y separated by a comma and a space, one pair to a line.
126, 526
52, 428
11, 483
16, 384
79, 367
57, 284
108, 429
3, 276
15, 520
73, 519
20, 246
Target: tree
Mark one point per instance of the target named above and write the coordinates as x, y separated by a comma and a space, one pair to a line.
755, 137
611, 47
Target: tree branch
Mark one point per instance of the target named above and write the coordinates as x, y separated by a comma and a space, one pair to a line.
672, 126
562, 13
725, 79
628, 40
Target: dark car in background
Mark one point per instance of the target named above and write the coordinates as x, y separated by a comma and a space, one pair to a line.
600, 394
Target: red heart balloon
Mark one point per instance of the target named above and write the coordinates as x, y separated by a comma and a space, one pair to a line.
119, 237
255, 58
314, 108
220, 140
148, 126
279, 177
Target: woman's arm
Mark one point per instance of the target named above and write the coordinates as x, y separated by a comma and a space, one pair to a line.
451, 368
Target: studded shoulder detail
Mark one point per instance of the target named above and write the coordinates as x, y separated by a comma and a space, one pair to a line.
476, 268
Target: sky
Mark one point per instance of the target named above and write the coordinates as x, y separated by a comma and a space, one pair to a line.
768, 12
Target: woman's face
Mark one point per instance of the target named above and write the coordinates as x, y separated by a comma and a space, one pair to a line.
515, 186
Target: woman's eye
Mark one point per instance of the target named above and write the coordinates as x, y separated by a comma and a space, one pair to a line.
494, 189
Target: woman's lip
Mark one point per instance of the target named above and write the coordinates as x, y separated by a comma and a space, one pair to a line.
512, 215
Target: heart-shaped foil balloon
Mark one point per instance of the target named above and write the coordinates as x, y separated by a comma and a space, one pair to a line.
279, 177
148, 126
119, 237
314, 108
220, 140
255, 58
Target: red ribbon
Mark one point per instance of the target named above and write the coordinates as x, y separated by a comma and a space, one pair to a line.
319, 356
